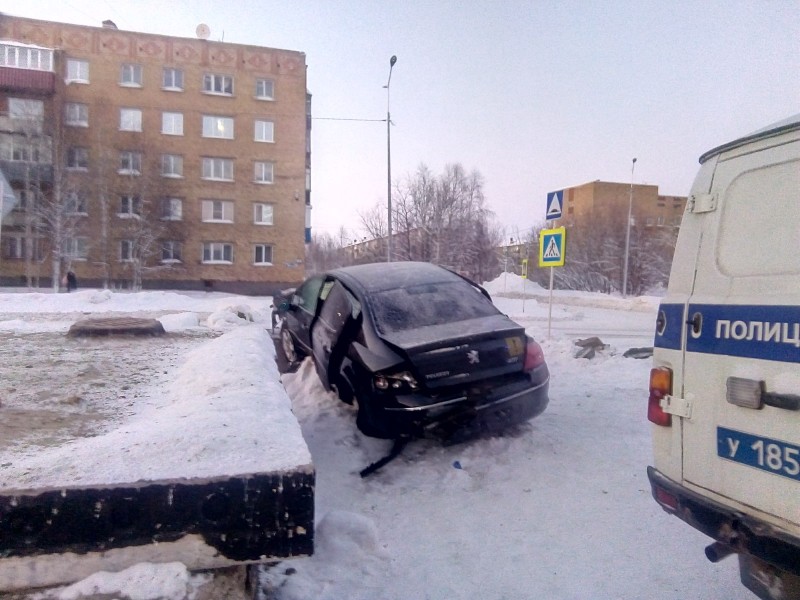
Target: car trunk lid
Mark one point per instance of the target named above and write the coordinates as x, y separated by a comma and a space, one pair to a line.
463, 351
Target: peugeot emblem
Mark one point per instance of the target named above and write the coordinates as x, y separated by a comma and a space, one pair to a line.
472, 357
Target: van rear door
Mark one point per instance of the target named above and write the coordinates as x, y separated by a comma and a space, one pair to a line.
741, 375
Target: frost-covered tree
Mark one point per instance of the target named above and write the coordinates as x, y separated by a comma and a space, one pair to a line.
441, 219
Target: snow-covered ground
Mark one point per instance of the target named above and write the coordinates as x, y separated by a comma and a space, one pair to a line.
557, 508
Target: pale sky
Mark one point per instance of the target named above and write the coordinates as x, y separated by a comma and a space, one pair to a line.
536, 95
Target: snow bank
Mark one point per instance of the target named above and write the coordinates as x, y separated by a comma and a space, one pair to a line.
224, 413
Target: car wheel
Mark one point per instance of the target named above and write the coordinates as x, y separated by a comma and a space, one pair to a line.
343, 390
289, 349
367, 420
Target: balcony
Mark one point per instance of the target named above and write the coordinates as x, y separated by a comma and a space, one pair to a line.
29, 81
20, 171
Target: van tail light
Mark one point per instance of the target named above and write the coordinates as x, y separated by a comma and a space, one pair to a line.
667, 500
660, 387
534, 355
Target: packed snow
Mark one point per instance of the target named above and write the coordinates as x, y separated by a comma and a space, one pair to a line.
559, 507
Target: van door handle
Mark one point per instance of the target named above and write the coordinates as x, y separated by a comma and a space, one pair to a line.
696, 322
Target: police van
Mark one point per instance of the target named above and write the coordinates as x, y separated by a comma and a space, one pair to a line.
725, 384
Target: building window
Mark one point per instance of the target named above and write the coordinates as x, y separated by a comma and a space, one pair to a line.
24, 197
130, 163
218, 168
172, 209
126, 250
217, 211
264, 172
170, 251
14, 246
77, 71
262, 254
130, 119
265, 131
172, 123
130, 75
218, 84
265, 89
218, 127
22, 151
172, 79
75, 204
76, 248
78, 158
129, 206
76, 114
36, 59
217, 252
25, 108
262, 214
172, 165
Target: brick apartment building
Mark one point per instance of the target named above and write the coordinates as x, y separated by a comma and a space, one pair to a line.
148, 160
603, 199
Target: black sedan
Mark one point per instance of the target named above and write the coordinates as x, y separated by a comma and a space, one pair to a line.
419, 349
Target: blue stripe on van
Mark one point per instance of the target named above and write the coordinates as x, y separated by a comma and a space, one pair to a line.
750, 331
669, 326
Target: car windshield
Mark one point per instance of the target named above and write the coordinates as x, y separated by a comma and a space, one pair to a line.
417, 306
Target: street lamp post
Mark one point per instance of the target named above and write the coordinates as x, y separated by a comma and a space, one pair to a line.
628, 236
392, 61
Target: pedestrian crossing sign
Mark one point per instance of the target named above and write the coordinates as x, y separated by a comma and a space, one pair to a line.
551, 247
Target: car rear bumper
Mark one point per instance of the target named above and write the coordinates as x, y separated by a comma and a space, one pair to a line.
488, 408
762, 547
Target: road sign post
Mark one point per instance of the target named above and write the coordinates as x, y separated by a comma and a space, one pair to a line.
552, 246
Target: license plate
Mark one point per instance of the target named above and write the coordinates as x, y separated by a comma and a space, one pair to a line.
767, 454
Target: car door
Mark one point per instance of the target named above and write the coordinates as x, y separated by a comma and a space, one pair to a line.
302, 309
742, 353
330, 332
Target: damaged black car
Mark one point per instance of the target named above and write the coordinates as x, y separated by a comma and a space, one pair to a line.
418, 348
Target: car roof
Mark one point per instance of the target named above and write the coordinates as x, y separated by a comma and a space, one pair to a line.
376, 277
786, 125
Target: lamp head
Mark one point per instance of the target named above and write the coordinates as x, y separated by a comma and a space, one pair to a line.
392, 61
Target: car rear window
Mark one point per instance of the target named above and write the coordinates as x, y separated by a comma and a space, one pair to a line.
417, 306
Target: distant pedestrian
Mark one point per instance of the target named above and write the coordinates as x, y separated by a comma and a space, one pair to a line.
72, 281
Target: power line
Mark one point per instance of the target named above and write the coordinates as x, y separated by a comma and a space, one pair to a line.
346, 119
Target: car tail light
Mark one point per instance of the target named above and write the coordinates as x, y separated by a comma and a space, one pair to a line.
534, 356
397, 381
660, 387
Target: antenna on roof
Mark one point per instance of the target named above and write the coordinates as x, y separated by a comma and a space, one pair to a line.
203, 31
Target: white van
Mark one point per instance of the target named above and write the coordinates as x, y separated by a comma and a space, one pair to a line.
725, 387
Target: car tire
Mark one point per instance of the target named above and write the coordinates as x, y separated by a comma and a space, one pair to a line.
288, 346
369, 419
343, 390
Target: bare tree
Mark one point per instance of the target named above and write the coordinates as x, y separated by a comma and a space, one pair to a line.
441, 219
326, 252
595, 256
